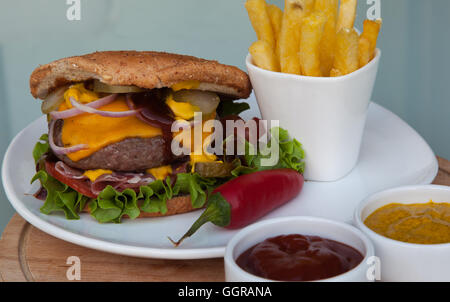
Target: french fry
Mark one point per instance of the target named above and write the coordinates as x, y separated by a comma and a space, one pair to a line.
276, 19
368, 41
289, 41
364, 56
327, 45
347, 14
310, 37
257, 13
327, 6
335, 73
263, 55
346, 58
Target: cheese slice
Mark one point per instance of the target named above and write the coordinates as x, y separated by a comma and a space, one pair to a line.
94, 174
184, 111
193, 84
98, 131
160, 172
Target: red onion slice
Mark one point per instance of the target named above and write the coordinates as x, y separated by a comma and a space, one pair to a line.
60, 115
62, 150
130, 103
88, 109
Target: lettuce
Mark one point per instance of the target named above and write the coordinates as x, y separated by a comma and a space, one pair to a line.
111, 205
40, 148
291, 154
60, 197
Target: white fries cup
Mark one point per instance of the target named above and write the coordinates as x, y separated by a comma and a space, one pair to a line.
327, 115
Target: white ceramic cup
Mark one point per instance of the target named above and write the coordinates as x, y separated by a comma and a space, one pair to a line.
258, 232
327, 115
401, 261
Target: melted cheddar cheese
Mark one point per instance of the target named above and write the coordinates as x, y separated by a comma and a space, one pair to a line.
98, 131
161, 172
181, 110
94, 174
80, 94
186, 85
187, 139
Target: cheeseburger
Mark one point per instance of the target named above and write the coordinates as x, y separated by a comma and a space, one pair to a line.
110, 116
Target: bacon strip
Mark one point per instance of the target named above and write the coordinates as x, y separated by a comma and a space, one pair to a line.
75, 179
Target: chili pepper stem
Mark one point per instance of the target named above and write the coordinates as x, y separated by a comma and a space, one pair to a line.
197, 224
218, 211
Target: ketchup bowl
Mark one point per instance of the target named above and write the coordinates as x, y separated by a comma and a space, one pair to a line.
340, 245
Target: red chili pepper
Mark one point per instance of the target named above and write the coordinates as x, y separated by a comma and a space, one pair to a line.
247, 198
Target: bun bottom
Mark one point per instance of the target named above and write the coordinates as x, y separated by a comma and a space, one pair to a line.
176, 205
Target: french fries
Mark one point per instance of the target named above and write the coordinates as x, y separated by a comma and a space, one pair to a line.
263, 55
368, 41
289, 41
259, 17
327, 44
346, 58
310, 38
347, 14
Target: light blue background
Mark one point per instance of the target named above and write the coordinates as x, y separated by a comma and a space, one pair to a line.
413, 78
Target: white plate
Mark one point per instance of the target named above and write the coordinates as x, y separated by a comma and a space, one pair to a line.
393, 154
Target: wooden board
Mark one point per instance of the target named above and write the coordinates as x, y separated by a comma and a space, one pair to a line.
28, 254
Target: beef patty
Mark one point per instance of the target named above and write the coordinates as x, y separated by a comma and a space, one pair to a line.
128, 155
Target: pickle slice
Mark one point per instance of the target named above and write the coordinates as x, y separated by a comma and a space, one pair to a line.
214, 169
105, 88
206, 101
53, 100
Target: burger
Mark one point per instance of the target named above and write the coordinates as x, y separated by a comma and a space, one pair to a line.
109, 147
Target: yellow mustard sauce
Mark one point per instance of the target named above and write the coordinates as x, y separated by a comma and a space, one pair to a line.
427, 223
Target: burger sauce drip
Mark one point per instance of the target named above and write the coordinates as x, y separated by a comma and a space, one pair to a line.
156, 113
299, 258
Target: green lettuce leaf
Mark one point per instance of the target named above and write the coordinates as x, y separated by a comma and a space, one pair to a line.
111, 205
41, 148
60, 197
198, 187
291, 154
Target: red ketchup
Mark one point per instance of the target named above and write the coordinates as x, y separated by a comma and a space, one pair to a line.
299, 258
